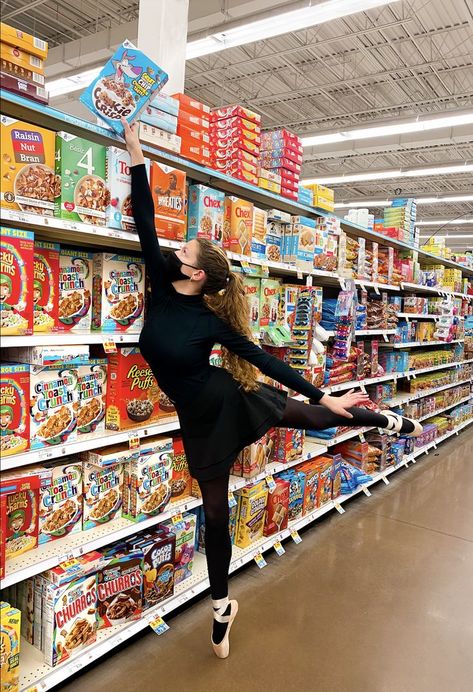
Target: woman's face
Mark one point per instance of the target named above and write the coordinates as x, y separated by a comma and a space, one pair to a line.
188, 253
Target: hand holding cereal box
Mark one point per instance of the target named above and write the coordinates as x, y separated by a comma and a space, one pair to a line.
118, 293
128, 81
16, 281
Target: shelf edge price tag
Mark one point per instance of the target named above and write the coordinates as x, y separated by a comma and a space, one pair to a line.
309, 280
385, 480
278, 547
295, 536
271, 483
339, 508
260, 561
231, 500
158, 625
376, 290
133, 440
109, 346
366, 491
177, 518
361, 437
300, 275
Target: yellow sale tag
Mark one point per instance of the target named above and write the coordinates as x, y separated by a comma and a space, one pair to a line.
177, 518
133, 440
158, 625
279, 548
109, 346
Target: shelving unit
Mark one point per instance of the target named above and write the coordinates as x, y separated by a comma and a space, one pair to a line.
401, 398
445, 408
416, 344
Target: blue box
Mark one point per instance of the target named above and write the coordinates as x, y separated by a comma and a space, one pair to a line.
158, 118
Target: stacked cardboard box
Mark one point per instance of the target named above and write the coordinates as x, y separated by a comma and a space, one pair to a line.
235, 138
193, 127
400, 219
22, 59
281, 153
323, 197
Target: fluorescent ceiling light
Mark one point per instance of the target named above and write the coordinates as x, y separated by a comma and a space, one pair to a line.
64, 85
279, 24
362, 205
388, 202
385, 175
417, 125
440, 200
446, 237
444, 222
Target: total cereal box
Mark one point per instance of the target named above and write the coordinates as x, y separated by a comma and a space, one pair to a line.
92, 390
46, 287
253, 290
205, 213
16, 281
149, 478
29, 181
60, 500
168, 187
14, 408
53, 402
238, 225
119, 211
75, 290
102, 494
118, 293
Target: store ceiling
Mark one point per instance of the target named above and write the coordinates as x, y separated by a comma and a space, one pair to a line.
409, 58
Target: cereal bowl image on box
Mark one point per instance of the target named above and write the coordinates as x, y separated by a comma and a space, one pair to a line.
75, 290
119, 285
53, 400
124, 86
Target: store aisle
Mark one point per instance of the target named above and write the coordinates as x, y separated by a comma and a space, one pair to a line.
376, 600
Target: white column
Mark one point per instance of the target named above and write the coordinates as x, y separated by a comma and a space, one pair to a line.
162, 35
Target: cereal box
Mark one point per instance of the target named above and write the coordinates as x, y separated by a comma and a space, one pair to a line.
181, 484
290, 444
28, 90
168, 187
53, 404
46, 287
185, 543
19, 513
258, 236
132, 392
125, 85
165, 103
159, 552
205, 213
10, 647
158, 118
254, 457
75, 290
119, 212
21, 58
118, 293
296, 493
92, 390
187, 103
269, 305
50, 355
311, 471
277, 508
81, 166
29, 182
60, 502
69, 618
253, 289
324, 490
14, 408
119, 588
20, 39
102, 494
235, 112
337, 460
16, 281
159, 138
148, 477
274, 234
238, 225
251, 513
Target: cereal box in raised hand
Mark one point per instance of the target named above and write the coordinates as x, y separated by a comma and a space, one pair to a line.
168, 187
102, 494
16, 281
205, 213
75, 290
124, 86
149, 478
60, 506
14, 408
29, 181
91, 390
53, 404
118, 293
81, 167
119, 212
46, 287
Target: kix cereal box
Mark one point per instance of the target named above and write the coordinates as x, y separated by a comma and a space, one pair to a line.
29, 182
238, 225
251, 513
53, 405
102, 494
181, 484
46, 287
269, 302
81, 167
148, 477
75, 290
132, 392
119, 212
16, 281
253, 289
10, 647
91, 390
60, 500
14, 408
118, 293
205, 213
19, 503
168, 187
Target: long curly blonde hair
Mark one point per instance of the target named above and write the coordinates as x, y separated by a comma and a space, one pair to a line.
225, 295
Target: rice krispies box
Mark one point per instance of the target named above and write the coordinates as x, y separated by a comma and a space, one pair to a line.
118, 293
53, 405
119, 212
81, 166
132, 392
102, 494
46, 287
125, 85
75, 290
238, 225
149, 478
60, 502
168, 187
205, 213
92, 390
29, 182
16, 281
14, 408
119, 587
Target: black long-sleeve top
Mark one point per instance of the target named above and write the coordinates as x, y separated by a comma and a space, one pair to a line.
180, 330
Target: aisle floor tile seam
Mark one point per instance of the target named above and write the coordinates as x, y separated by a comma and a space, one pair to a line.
419, 526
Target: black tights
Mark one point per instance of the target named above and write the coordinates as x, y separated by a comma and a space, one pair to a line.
218, 545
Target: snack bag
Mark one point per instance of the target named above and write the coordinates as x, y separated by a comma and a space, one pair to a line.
124, 86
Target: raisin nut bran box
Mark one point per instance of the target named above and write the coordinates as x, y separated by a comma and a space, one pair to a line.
14, 408
16, 281
119, 587
75, 290
53, 401
46, 287
168, 187
118, 293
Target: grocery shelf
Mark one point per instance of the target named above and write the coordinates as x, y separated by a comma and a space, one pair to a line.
35, 673
45, 116
422, 316
425, 449
445, 408
401, 398
69, 339
367, 332
414, 344
356, 432
436, 290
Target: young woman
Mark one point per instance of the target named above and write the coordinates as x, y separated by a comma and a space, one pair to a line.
196, 302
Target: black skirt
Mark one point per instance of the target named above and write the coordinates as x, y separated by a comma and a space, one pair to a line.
223, 419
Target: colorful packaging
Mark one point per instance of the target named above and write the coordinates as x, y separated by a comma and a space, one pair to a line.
253, 290
81, 167
14, 408
199, 152
289, 444
75, 290
185, 546
310, 470
181, 484
158, 118
235, 112
168, 186
10, 646
125, 85
118, 176
251, 514
165, 103
159, 138
191, 105
75, 354
29, 182
92, 390
102, 494
53, 404
159, 552
253, 458
21, 87
149, 478
274, 234
20, 39
119, 588
277, 508
223, 157
118, 293
337, 461
206, 213
16, 281
270, 300
132, 392
20, 57
19, 505
296, 493
46, 287
60, 506
238, 225
258, 234
324, 490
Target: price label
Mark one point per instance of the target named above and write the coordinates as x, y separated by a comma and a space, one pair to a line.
406, 463
295, 536
260, 561
339, 508
300, 274
133, 440
363, 388
177, 518
363, 287
366, 491
109, 346
362, 437
158, 625
265, 269
342, 283
271, 483
231, 500
385, 480
309, 280
414, 461
278, 547
376, 290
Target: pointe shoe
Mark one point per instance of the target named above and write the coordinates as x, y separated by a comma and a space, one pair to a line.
222, 650
395, 424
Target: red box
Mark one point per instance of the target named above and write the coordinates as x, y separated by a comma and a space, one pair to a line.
181, 480
192, 105
285, 137
239, 123
289, 184
234, 142
195, 152
230, 167
235, 111
19, 506
234, 132
277, 508
16, 281
24, 88
46, 287
14, 408
272, 162
290, 194
193, 121
245, 176
193, 135
288, 176
168, 187
232, 154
